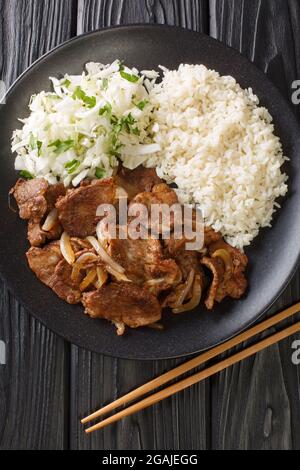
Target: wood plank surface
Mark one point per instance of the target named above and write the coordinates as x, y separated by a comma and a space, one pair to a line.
34, 382
256, 404
181, 422
47, 385
95, 14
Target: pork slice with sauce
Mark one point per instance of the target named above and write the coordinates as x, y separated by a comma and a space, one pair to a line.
137, 181
123, 303
144, 263
77, 209
36, 198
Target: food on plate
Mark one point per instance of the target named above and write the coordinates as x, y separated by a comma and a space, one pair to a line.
86, 124
127, 281
77, 209
200, 130
114, 134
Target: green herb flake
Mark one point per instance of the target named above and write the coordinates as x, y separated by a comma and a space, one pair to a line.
25, 174
136, 131
35, 144
100, 173
32, 142
72, 166
107, 109
66, 83
141, 105
62, 146
104, 84
39, 147
127, 76
90, 101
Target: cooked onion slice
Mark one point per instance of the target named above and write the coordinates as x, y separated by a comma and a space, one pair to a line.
105, 256
187, 287
66, 248
88, 280
120, 327
50, 221
117, 275
82, 262
102, 277
154, 282
195, 300
225, 257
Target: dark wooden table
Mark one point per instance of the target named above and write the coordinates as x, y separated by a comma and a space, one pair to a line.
48, 384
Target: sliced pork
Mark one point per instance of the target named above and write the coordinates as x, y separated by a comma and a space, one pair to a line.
77, 209
137, 181
123, 302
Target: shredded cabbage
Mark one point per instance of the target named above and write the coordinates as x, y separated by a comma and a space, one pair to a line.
87, 124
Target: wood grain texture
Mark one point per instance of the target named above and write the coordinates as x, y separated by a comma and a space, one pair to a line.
255, 405
183, 421
94, 14
178, 423
45, 389
266, 31
34, 381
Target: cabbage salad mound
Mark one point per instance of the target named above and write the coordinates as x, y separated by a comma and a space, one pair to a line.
88, 122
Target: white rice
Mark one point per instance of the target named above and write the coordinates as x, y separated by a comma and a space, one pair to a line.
218, 146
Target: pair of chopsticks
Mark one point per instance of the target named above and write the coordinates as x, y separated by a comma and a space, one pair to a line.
198, 377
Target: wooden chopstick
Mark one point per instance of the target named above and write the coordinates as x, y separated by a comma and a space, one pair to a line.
195, 362
183, 384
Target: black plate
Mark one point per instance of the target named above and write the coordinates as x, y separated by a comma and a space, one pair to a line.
273, 256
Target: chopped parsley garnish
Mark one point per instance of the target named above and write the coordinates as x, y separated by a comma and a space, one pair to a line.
90, 101
25, 174
141, 105
107, 109
127, 76
62, 146
35, 144
66, 83
100, 173
104, 84
72, 166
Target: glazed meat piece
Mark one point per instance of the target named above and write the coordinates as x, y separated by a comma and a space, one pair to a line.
63, 285
188, 260
51, 268
160, 194
210, 235
137, 181
234, 283
134, 255
38, 237
162, 276
30, 197
77, 209
216, 266
143, 262
36, 198
123, 302
53, 192
43, 261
